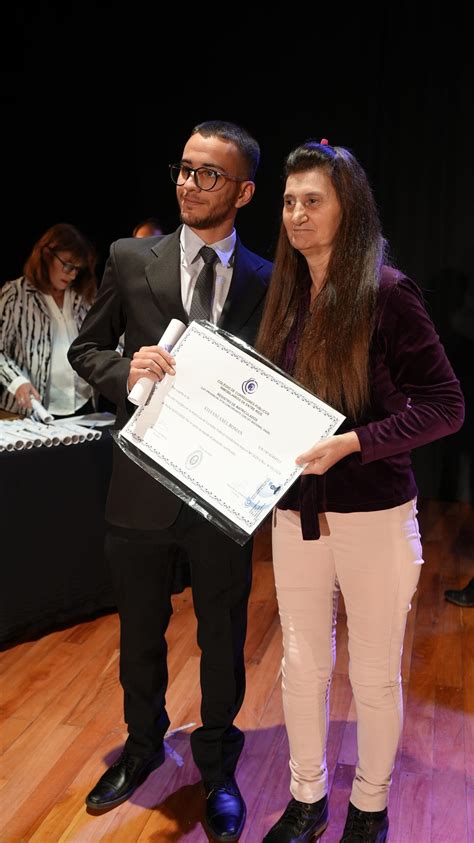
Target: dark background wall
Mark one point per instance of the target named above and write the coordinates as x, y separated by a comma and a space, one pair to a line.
93, 111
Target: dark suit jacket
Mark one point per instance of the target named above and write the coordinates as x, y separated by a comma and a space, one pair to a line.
139, 294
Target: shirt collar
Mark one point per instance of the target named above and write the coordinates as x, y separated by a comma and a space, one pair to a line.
191, 243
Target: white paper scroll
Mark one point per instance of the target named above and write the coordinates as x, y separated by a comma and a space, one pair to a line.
84, 433
39, 432
24, 434
41, 412
21, 430
30, 429
65, 436
15, 438
140, 392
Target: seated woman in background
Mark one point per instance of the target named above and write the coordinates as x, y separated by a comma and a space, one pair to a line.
40, 315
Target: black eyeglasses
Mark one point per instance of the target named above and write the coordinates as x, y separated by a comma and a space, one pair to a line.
204, 177
67, 266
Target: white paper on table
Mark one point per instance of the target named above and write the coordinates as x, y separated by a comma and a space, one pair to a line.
9, 434
140, 392
95, 419
41, 411
75, 429
228, 427
65, 436
82, 431
39, 431
21, 428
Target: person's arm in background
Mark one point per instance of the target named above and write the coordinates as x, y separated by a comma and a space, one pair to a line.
12, 377
93, 354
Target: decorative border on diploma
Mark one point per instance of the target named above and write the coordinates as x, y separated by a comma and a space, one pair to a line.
261, 369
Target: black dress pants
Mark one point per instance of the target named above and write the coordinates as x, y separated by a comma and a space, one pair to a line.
142, 571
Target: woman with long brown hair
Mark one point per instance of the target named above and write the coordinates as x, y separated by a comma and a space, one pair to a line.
40, 315
354, 331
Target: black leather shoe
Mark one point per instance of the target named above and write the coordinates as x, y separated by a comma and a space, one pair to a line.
225, 810
301, 822
118, 783
462, 596
365, 826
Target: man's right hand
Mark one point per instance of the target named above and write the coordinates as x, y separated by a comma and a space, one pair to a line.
150, 361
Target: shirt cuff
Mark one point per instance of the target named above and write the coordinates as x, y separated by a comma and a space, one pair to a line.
16, 382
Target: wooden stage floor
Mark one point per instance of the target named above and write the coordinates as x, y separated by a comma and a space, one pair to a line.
61, 718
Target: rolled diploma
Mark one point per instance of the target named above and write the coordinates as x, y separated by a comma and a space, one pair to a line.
41, 412
140, 392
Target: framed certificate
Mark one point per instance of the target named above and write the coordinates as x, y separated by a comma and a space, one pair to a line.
224, 432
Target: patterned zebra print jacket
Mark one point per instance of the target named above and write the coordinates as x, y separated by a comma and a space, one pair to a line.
25, 337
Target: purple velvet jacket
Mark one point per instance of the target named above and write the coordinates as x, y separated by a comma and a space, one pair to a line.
415, 399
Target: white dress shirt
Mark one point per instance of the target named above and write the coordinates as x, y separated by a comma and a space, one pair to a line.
65, 391
192, 263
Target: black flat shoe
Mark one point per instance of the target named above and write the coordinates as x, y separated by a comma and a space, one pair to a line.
118, 783
225, 810
365, 826
301, 822
461, 596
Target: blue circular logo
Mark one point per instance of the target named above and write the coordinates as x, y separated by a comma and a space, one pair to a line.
249, 387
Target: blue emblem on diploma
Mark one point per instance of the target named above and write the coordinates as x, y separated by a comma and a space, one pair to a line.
249, 386
262, 495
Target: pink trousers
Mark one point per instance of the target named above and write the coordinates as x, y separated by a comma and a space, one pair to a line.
374, 559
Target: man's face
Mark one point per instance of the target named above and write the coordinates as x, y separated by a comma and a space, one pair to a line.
211, 209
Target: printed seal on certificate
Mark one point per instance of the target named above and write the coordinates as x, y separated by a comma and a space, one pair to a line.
223, 433
263, 495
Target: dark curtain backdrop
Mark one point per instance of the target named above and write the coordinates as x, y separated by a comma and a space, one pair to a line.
93, 111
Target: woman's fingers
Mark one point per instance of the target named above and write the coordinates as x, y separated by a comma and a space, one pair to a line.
326, 453
24, 394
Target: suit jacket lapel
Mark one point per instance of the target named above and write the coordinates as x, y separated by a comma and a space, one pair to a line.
245, 292
164, 277
163, 274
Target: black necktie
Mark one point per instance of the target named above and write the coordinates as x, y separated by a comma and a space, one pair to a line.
201, 304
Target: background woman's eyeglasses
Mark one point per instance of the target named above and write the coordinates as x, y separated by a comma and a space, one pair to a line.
204, 177
67, 266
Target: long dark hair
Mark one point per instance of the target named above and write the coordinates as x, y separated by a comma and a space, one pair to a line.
333, 352
63, 237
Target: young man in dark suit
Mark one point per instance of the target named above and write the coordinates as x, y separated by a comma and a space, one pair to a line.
146, 283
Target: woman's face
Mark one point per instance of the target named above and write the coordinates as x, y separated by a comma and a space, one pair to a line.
63, 269
311, 212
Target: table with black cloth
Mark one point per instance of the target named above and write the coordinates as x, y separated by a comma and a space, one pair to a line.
53, 569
